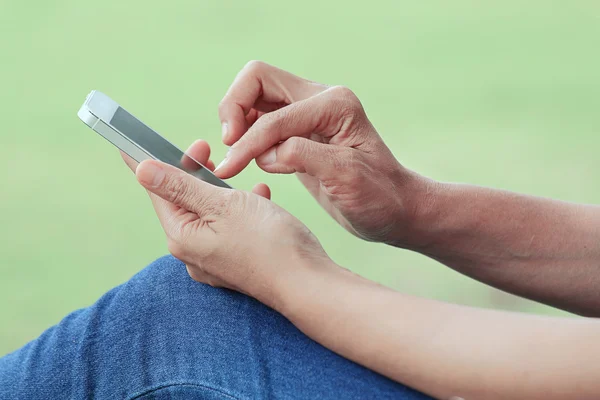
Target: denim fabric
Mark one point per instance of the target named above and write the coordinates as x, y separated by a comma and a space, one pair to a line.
162, 335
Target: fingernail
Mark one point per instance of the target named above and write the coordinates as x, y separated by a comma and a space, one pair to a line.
225, 160
222, 164
224, 130
151, 175
269, 157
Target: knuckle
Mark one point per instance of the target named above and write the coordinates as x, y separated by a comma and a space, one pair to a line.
223, 106
343, 92
269, 123
346, 101
176, 190
255, 66
265, 132
295, 148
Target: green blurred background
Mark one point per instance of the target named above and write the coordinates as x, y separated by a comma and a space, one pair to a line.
499, 93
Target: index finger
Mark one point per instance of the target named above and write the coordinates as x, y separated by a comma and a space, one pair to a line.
264, 87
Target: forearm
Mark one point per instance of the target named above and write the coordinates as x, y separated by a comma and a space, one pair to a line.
442, 349
543, 249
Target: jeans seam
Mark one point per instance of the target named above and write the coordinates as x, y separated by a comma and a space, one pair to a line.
197, 385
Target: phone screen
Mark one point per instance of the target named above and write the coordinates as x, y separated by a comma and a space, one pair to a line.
160, 148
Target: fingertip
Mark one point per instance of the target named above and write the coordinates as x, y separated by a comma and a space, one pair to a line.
199, 150
131, 163
150, 173
232, 132
227, 141
233, 122
221, 172
229, 168
199, 142
210, 165
225, 131
262, 190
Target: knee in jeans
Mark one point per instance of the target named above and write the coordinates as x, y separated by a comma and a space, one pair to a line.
165, 287
163, 271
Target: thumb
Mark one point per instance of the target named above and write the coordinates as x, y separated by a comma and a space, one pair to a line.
298, 154
176, 186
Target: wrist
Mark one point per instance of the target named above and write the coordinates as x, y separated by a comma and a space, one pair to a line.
447, 213
304, 280
418, 198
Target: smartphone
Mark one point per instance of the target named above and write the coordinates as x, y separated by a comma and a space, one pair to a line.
136, 139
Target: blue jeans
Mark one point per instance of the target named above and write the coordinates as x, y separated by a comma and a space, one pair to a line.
162, 335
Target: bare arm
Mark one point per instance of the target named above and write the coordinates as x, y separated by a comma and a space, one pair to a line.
246, 243
543, 249
441, 349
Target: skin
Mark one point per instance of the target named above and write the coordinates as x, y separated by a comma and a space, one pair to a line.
538, 248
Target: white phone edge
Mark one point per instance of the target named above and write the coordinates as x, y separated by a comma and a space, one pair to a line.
98, 110
104, 110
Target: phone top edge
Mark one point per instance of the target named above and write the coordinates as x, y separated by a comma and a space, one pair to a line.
86, 116
102, 106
